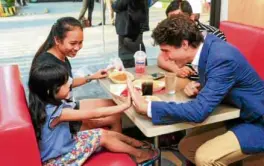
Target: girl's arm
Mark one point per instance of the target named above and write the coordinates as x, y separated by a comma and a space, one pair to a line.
69, 114
83, 80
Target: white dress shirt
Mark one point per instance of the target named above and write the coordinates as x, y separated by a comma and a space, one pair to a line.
195, 63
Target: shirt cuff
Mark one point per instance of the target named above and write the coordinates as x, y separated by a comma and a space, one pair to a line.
149, 110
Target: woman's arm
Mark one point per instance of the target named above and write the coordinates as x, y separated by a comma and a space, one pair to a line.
83, 80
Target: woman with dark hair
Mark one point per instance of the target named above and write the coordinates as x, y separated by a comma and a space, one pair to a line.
51, 112
65, 40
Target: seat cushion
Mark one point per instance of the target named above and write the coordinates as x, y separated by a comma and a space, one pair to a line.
109, 159
249, 40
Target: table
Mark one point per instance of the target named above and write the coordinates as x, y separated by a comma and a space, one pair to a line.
222, 112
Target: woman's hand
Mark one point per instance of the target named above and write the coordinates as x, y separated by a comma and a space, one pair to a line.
192, 89
140, 103
128, 101
102, 73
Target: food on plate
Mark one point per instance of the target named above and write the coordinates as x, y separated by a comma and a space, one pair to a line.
120, 77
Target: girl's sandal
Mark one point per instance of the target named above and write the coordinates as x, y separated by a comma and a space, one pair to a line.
155, 156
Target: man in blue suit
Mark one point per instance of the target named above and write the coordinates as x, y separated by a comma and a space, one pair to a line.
225, 75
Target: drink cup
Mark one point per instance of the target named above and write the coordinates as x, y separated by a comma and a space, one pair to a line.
147, 88
140, 62
170, 82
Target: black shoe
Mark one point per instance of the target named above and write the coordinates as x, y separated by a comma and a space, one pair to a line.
100, 24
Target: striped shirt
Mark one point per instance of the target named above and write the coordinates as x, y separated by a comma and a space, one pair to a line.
210, 29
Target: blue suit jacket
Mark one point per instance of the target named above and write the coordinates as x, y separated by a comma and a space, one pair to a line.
224, 74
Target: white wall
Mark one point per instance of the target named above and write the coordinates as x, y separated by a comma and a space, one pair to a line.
224, 10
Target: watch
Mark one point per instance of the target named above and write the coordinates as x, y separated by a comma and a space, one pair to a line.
87, 78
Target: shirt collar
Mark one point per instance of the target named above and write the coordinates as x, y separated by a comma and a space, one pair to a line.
196, 59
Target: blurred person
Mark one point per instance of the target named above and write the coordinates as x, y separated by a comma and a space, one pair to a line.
131, 22
108, 4
87, 5
208, 5
21, 2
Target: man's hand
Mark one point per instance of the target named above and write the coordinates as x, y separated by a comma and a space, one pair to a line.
185, 72
140, 103
192, 89
99, 74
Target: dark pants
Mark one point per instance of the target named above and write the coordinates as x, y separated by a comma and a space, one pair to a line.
87, 4
127, 46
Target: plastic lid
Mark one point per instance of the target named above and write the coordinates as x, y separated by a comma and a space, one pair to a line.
140, 54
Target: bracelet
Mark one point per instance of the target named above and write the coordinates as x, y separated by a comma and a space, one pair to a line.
87, 78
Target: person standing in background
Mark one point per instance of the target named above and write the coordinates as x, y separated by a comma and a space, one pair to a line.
87, 4
108, 4
208, 5
131, 22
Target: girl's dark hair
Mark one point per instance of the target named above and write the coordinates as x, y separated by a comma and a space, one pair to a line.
173, 30
58, 30
44, 82
183, 5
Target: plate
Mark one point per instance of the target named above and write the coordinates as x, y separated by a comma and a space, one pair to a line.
120, 77
157, 85
151, 98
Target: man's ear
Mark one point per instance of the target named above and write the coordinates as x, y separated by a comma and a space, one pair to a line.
185, 44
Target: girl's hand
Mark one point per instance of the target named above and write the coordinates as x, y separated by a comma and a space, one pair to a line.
128, 100
141, 104
102, 73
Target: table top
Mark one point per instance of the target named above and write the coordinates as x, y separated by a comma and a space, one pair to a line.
221, 113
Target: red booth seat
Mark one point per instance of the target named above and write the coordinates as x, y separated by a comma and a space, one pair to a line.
249, 40
18, 145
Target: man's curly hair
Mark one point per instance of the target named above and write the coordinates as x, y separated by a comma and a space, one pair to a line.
173, 30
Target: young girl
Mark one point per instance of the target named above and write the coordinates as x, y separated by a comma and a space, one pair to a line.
65, 40
51, 113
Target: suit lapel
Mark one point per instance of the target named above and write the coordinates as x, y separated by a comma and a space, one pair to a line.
203, 58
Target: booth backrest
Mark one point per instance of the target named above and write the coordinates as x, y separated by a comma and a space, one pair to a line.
18, 145
249, 40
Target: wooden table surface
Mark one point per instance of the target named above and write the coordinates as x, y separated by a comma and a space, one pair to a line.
222, 112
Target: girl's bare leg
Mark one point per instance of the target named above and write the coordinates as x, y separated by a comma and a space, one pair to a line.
114, 121
128, 140
114, 144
